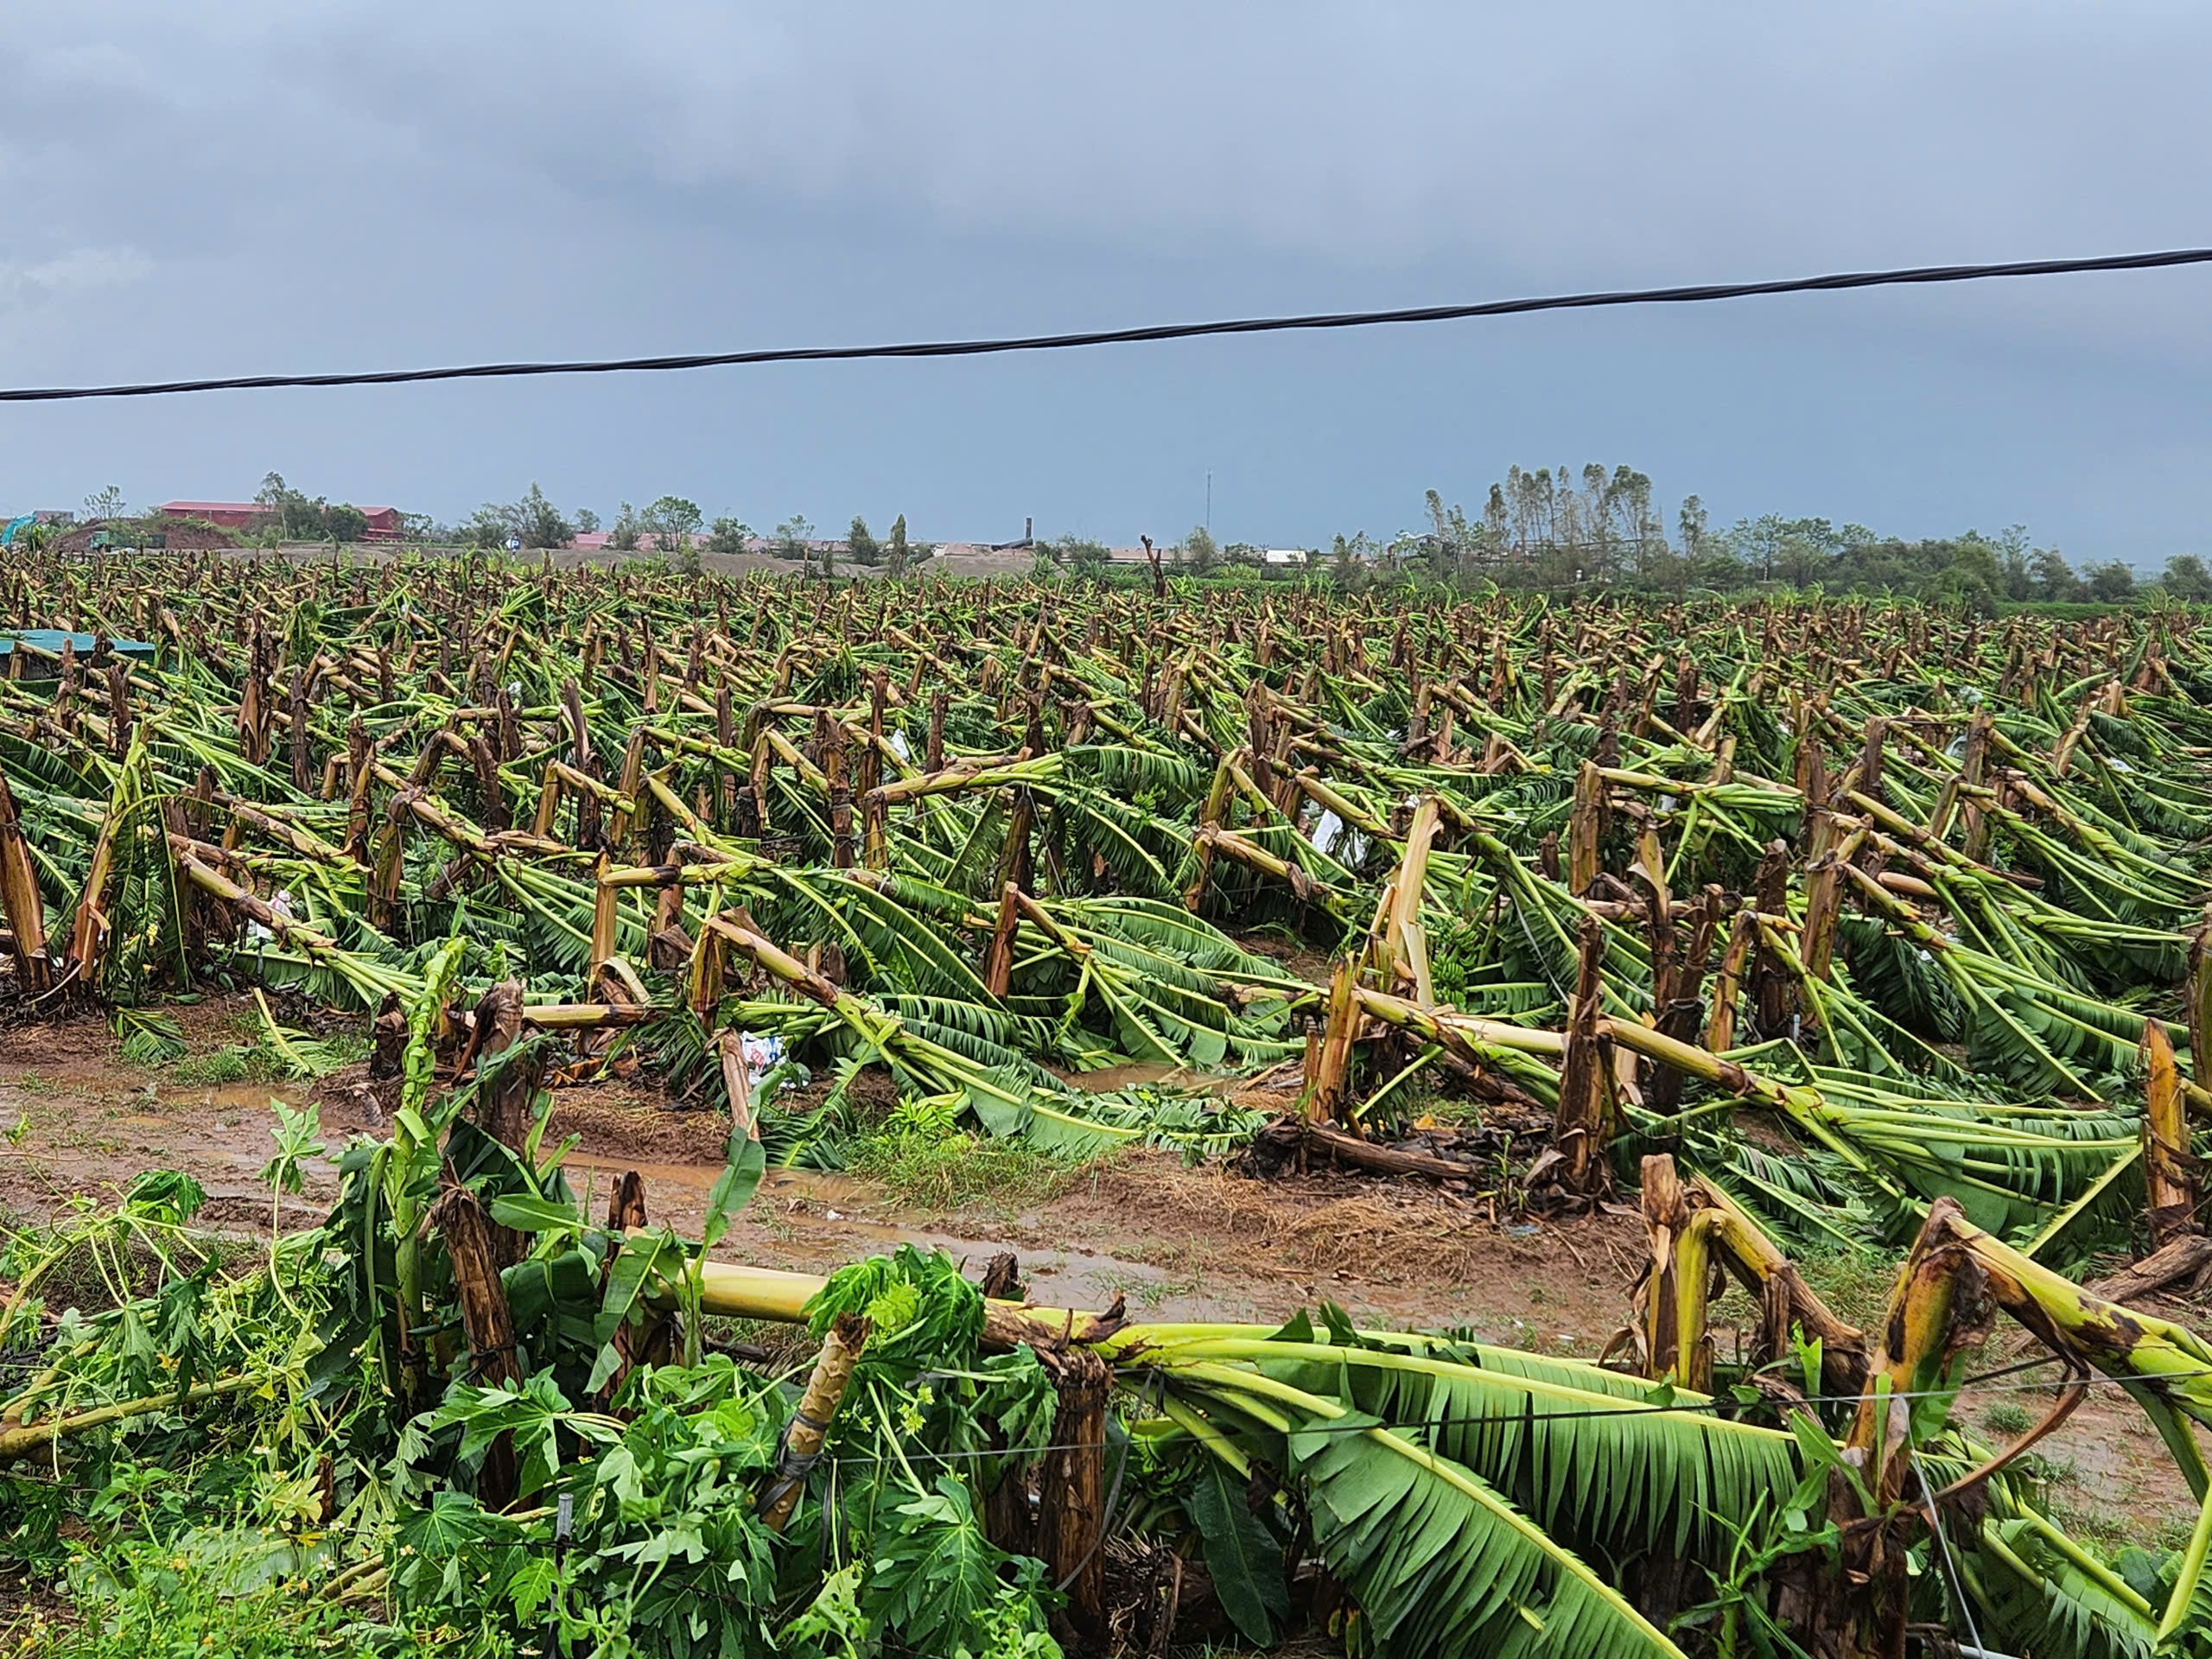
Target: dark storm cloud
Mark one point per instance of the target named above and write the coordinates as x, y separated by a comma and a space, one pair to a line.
237, 185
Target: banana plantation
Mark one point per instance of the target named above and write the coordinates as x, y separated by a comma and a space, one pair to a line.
1788, 928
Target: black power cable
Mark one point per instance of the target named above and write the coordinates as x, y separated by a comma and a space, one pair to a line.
1695, 294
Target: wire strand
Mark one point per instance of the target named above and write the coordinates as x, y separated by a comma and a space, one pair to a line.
1943, 1546
1702, 293
1982, 1381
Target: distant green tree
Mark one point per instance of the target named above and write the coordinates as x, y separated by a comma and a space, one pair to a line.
792, 537
1083, 556
2015, 565
295, 516
728, 536
1453, 540
487, 527
1977, 563
673, 522
860, 543
537, 523
1799, 558
1694, 528
305, 519
1715, 567
1349, 560
627, 529
2186, 578
2051, 577
897, 555
585, 520
1199, 550
106, 504
2112, 580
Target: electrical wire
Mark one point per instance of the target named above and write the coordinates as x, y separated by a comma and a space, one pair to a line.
1943, 1546
836, 1461
1982, 1381
1915, 276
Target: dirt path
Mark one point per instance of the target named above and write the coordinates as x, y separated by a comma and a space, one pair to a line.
1176, 1243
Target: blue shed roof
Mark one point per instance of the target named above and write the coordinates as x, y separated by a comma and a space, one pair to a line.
50, 640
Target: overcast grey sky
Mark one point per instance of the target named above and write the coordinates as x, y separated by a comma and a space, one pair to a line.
242, 185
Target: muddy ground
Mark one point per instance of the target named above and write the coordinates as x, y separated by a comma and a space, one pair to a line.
1176, 1243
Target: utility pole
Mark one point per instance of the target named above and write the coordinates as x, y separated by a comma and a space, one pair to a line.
1209, 501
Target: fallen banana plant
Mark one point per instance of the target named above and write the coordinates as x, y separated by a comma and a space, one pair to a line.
525, 1410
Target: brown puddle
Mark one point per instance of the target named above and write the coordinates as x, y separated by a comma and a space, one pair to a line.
1107, 1079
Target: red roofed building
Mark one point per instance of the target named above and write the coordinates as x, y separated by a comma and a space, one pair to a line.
383, 523
229, 515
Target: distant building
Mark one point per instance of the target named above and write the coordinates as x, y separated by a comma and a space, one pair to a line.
598, 541
227, 515
383, 523
1282, 555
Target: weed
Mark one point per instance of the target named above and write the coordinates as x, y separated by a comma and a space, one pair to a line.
1147, 1292
2051, 1472
1156, 1253
1432, 1106
959, 1172
299, 1059
2007, 1417
1161, 1289
231, 1064
199, 1595
2171, 1534
780, 1346
2092, 1526
1855, 1284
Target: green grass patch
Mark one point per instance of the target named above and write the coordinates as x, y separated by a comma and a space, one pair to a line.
1855, 1284
230, 1064
301, 1059
923, 1171
2105, 1534
210, 1595
785, 1347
